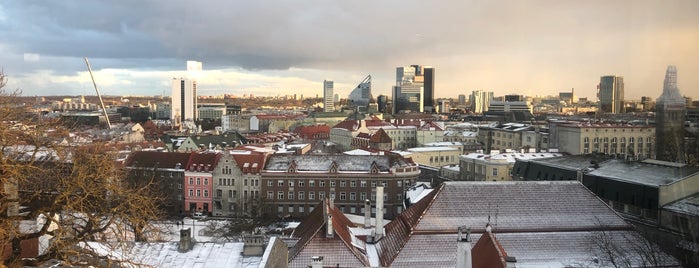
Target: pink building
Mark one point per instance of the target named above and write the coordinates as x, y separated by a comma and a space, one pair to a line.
198, 182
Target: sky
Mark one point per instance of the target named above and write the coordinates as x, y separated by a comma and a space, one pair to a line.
286, 47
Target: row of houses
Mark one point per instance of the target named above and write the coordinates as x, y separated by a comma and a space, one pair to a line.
248, 182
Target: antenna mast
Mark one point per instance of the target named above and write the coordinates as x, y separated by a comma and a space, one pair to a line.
104, 110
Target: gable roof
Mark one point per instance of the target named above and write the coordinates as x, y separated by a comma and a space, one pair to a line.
346, 163
489, 251
313, 241
202, 161
380, 137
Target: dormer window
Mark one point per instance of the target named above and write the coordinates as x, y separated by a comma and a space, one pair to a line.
292, 167
333, 167
374, 168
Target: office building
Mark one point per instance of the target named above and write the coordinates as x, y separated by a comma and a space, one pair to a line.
669, 120
480, 101
360, 97
429, 104
328, 101
184, 94
414, 89
611, 94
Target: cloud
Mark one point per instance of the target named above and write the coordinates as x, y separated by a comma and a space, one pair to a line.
31, 57
506, 46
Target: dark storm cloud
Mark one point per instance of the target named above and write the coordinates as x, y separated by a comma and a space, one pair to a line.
474, 44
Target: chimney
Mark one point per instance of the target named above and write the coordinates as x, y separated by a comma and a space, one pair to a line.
329, 221
253, 245
511, 262
317, 262
379, 212
367, 213
185, 240
463, 248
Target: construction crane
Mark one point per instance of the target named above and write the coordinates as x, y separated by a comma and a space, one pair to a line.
104, 109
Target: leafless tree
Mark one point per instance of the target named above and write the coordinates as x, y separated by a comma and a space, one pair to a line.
69, 196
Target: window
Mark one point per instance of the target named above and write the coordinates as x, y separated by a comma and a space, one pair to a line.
219, 193
291, 208
362, 183
321, 195
311, 195
301, 209
373, 196
191, 181
269, 183
301, 195
280, 183
495, 171
270, 195
332, 183
198, 181
191, 192
353, 184
230, 193
291, 183
198, 192
179, 185
220, 181
206, 181
332, 196
399, 183
353, 196
245, 182
373, 184
290, 195
302, 183
342, 184
280, 195
206, 193
362, 196
312, 183
321, 183
343, 196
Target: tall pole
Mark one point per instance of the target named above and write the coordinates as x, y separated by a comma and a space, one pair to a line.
104, 110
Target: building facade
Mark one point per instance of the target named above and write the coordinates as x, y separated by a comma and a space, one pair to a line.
293, 185
328, 101
611, 94
669, 120
634, 141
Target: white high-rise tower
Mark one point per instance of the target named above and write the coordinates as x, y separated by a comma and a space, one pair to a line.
669, 120
184, 94
328, 97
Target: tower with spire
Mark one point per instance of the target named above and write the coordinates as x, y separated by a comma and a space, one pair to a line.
669, 120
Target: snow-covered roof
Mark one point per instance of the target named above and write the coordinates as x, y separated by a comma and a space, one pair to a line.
510, 157
432, 149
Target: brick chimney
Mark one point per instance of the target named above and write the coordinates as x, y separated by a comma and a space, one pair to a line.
463, 248
329, 220
253, 245
379, 212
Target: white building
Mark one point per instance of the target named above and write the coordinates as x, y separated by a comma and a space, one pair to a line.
184, 94
328, 101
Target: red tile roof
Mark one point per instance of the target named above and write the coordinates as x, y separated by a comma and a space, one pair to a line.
250, 159
488, 252
202, 162
151, 159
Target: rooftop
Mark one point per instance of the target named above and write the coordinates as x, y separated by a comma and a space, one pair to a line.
646, 173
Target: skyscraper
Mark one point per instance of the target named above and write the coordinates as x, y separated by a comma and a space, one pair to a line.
428, 103
409, 91
669, 120
611, 94
184, 94
360, 96
328, 97
480, 101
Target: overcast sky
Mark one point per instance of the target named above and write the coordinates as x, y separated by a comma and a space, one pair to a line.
285, 47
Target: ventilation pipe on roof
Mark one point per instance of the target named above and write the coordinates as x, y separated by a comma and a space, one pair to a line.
367, 213
463, 248
511, 262
379, 212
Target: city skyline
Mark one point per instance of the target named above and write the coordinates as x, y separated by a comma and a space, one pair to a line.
522, 47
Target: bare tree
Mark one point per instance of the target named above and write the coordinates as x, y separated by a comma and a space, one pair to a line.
70, 196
